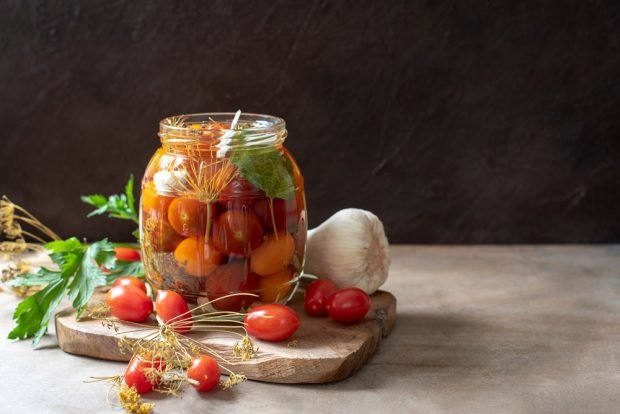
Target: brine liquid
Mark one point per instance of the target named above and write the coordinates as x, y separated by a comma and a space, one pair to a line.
207, 232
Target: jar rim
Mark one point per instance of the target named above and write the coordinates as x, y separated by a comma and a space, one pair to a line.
250, 123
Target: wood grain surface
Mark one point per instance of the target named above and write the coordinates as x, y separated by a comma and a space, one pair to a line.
480, 329
320, 351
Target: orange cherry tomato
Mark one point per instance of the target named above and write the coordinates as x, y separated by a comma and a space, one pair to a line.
127, 253
237, 232
152, 201
130, 280
276, 287
197, 257
189, 217
231, 278
274, 255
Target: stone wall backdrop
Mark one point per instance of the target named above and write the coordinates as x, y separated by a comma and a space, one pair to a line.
454, 121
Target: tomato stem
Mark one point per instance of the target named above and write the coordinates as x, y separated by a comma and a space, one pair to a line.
193, 381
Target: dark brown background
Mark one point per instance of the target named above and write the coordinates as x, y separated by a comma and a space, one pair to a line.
455, 122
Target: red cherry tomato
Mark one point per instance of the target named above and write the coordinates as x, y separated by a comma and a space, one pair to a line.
129, 303
348, 305
284, 214
188, 216
130, 281
135, 375
315, 298
239, 192
262, 210
205, 371
127, 253
231, 278
272, 322
169, 305
237, 232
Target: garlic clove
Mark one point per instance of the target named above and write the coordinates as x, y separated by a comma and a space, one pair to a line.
351, 249
167, 182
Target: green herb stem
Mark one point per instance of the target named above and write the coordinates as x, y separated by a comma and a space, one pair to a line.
273, 217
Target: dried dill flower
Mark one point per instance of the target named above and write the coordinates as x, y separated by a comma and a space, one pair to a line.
233, 379
16, 246
14, 271
245, 348
130, 401
12, 217
175, 352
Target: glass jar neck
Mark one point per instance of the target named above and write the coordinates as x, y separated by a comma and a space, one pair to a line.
220, 133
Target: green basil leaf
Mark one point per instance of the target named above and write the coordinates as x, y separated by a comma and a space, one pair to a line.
267, 169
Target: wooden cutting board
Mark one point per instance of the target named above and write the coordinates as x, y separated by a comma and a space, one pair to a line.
320, 351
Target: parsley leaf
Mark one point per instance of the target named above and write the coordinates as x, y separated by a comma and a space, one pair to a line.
32, 315
42, 277
79, 273
131, 202
267, 169
121, 206
89, 275
67, 254
124, 268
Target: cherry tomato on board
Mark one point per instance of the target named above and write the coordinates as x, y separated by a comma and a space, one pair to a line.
129, 303
169, 306
205, 371
348, 305
237, 232
127, 254
231, 278
272, 322
135, 375
130, 281
315, 298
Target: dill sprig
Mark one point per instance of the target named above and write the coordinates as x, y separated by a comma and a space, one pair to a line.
176, 351
12, 216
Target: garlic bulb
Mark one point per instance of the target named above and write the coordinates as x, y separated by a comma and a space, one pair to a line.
350, 249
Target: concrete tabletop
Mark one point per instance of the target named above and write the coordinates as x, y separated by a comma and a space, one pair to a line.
529, 329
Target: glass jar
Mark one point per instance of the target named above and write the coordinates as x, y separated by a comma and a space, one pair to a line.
223, 211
